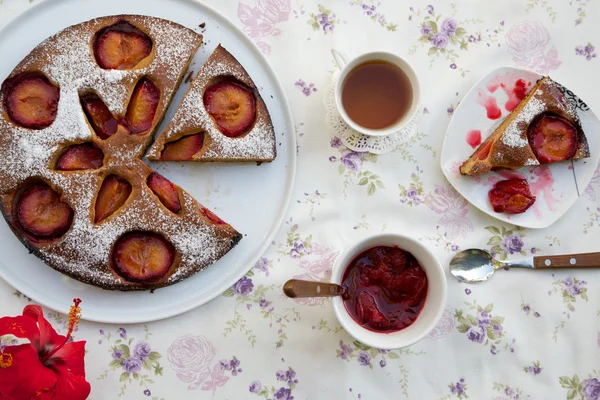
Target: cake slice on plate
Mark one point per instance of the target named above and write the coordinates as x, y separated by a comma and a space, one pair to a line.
221, 118
543, 129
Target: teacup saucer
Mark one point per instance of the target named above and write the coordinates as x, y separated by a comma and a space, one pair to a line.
357, 141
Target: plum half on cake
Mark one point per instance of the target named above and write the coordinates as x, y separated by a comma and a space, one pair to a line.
221, 118
543, 129
76, 116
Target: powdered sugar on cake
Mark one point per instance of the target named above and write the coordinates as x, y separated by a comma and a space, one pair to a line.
83, 252
192, 117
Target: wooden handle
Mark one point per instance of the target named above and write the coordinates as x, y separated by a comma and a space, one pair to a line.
584, 260
297, 288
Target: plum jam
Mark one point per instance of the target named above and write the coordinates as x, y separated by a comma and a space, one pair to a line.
384, 289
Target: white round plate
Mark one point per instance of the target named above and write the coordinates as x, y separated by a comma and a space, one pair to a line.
556, 186
252, 198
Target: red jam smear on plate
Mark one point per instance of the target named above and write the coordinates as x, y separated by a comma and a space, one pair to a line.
384, 289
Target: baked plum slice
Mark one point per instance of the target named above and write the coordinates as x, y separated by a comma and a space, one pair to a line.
165, 191
80, 157
212, 217
511, 196
552, 138
99, 116
121, 46
41, 213
142, 256
113, 193
31, 100
142, 106
232, 105
183, 149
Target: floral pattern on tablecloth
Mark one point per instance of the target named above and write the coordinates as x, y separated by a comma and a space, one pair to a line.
522, 335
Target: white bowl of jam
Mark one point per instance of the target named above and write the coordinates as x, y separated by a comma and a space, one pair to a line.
394, 291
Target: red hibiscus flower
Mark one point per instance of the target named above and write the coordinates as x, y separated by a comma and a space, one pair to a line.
49, 367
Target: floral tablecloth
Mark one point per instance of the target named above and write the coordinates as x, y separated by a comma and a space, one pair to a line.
522, 335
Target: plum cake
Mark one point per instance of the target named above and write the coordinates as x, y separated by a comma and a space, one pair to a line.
76, 116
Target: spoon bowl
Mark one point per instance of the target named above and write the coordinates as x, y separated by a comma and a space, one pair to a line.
473, 265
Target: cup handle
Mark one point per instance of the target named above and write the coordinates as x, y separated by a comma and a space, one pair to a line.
340, 58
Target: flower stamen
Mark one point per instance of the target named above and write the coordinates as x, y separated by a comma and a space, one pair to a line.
74, 317
6, 360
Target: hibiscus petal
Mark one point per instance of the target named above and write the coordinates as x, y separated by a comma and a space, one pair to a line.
48, 339
26, 376
20, 326
71, 386
69, 356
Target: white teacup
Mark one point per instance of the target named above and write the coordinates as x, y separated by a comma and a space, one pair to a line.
346, 66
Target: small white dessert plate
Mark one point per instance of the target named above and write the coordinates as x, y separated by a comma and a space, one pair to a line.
556, 186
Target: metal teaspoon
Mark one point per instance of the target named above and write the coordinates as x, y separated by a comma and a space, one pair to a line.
475, 265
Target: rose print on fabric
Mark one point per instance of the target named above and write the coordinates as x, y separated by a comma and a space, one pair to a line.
351, 168
133, 359
453, 209
287, 381
534, 369
582, 388
251, 299
317, 267
482, 327
458, 390
324, 21
588, 51
445, 326
371, 10
507, 242
509, 393
191, 357
570, 289
260, 19
528, 44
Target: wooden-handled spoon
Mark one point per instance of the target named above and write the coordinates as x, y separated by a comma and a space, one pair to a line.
299, 288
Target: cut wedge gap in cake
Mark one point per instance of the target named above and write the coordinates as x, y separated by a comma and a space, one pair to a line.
544, 128
224, 103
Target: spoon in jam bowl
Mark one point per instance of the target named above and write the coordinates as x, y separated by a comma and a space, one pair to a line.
298, 288
476, 265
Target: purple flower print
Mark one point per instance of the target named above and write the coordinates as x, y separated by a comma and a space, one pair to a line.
430, 9
591, 389
117, 354
297, 250
475, 333
439, 40
255, 387
484, 319
497, 329
453, 66
382, 363
425, 29
364, 358
467, 291
587, 51
450, 110
351, 160
526, 308
306, 88
132, 365
512, 244
449, 26
280, 375
262, 265
459, 388
264, 303
122, 333
147, 392
345, 351
536, 314
336, 143
283, 394
243, 287
290, 375
508, 391
141, 350
493, 350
